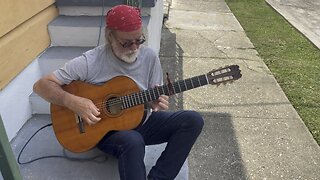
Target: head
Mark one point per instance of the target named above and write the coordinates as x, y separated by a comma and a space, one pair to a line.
124, 32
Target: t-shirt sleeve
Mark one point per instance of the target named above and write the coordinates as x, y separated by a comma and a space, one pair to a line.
75, 69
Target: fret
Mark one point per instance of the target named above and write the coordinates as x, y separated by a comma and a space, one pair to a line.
173, 89
179, 87
134, 99
198, 77
129, 101
162, 92
204, 80
122, 103
154, 94
158, 91
145, 95
183, 85
192, 83
195, 82
126, 102
165, 89
144, 98
138, 97
188, 84
149, 95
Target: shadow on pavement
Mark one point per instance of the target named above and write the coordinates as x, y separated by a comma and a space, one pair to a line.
216, 154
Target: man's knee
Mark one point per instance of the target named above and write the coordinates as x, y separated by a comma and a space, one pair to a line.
193, 119
119, 142
133, 140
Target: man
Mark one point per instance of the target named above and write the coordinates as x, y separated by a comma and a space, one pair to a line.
124, 54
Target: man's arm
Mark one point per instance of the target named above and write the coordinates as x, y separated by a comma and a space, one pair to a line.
49, 88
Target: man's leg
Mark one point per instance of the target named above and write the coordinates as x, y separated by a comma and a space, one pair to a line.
129, 148
180, 130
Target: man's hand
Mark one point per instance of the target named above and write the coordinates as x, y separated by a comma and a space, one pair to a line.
85, 108
161, 104
49, 88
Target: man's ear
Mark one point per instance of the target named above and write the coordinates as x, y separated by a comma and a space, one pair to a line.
107, 34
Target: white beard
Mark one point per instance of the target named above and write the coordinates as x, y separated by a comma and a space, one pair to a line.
128, 57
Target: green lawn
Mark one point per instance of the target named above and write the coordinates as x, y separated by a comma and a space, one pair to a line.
292, 58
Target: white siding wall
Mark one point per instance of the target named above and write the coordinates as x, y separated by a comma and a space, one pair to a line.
15, 108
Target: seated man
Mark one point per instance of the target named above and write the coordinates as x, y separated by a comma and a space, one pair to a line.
124, 54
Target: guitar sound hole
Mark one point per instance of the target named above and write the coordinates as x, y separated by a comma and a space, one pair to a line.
113, 106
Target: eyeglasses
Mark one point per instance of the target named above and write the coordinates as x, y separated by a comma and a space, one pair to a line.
130, 43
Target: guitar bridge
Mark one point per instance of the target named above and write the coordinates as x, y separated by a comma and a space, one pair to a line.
80, 123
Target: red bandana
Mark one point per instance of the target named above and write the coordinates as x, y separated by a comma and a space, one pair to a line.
124, 18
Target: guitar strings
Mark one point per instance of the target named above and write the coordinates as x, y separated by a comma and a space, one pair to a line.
135, 98
131, 98
117, 101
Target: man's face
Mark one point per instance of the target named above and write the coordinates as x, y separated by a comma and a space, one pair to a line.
125, 45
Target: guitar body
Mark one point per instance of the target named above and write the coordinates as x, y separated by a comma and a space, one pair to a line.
66, 123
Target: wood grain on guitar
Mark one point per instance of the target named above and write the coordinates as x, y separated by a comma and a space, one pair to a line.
122, 104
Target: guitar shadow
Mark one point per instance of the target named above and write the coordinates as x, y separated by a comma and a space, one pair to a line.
171, 58
216, 154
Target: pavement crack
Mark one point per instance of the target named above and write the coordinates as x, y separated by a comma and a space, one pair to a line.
214, 42
248, 67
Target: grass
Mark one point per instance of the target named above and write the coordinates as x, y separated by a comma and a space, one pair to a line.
292, 58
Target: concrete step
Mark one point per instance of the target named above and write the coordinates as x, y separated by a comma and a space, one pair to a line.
45, 144
145, 3
39, 105
56, 56
81, 31
92, 10
53, 58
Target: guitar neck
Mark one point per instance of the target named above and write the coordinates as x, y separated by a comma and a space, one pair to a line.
167, 89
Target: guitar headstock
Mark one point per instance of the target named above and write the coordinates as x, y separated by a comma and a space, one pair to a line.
224, 75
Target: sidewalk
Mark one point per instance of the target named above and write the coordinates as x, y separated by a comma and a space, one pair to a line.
251, 129
303, 15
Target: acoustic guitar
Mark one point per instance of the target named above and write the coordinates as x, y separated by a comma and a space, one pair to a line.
121, 105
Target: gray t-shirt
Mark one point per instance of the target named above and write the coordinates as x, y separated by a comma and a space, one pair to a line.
99, 65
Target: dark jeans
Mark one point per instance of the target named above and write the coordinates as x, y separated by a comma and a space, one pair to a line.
179, 129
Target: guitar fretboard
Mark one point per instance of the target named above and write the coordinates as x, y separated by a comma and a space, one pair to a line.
167, 89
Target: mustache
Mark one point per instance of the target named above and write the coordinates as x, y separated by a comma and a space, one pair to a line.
133, 51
